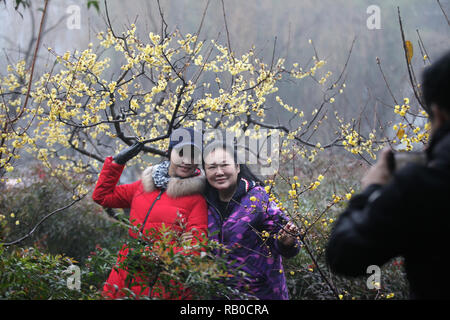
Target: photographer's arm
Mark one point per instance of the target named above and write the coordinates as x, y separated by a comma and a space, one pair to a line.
370, 231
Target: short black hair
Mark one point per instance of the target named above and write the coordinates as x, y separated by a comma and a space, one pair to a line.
436, 84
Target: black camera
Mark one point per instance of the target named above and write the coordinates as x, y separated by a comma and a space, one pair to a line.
398, 160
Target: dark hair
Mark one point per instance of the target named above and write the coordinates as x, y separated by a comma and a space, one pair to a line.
436, 84
244, 170
246, 173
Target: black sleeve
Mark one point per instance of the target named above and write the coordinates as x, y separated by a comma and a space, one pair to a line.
369, 232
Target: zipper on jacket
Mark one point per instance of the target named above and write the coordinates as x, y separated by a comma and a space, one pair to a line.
220, 218
151, 207
152, 282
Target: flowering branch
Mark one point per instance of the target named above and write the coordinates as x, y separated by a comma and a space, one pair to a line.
78, 198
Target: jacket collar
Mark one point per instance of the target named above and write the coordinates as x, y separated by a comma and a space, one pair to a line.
244, 186
176, 187
439, 148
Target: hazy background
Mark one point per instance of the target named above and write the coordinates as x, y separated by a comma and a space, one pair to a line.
330, 24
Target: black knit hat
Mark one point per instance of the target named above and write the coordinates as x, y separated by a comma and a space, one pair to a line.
185, 137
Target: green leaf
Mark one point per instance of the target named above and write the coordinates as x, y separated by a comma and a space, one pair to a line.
93, 3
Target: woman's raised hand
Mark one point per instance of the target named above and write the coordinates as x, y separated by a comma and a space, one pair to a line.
123, 156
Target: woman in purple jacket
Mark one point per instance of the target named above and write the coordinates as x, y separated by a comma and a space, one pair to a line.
243, 219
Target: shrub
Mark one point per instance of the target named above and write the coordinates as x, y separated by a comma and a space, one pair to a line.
175, 269
74, 231
315, 213
28, 273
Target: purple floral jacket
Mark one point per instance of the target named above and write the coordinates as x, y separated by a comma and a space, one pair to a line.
249, 232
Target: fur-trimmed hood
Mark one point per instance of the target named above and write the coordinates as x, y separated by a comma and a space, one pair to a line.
177, 187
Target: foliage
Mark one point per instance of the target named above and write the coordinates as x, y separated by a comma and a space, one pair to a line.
74, 232
126, 87
316, 211
173, 268
28, 273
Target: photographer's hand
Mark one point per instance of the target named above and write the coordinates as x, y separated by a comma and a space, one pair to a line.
379, 173
123, 156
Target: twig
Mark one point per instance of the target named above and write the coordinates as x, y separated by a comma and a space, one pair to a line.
316, 54
34, 61
226, 29
42, 220
345, 65
163, 22
82, 151
322, 275
408, 65
422, 47
385, 81
273, 53
286, 130
201, 22
445, 15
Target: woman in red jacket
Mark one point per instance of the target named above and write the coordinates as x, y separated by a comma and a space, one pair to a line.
165, 194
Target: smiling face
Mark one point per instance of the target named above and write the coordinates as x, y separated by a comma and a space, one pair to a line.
221, 170
182, 163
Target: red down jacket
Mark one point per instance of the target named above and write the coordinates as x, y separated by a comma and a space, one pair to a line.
182, 197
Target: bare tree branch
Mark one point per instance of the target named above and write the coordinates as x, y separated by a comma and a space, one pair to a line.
41, 221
